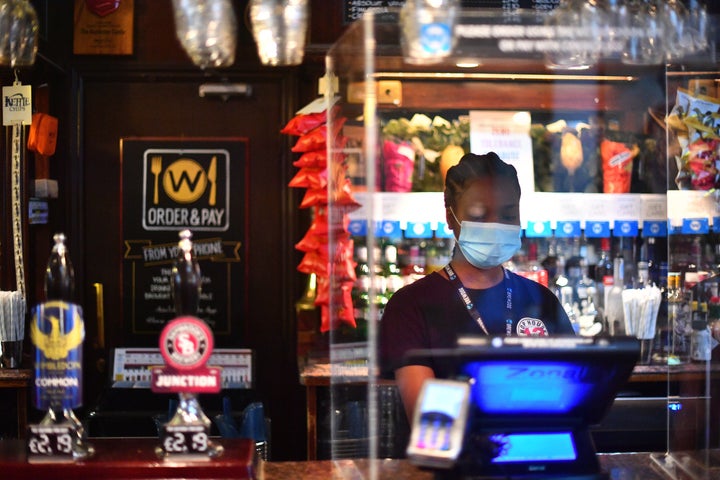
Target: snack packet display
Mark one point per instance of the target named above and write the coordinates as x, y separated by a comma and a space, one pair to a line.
325, 182
617, 165
316, 138
398, 165
701, 159
695, 120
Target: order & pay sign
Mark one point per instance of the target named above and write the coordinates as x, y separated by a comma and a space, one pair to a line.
171, 185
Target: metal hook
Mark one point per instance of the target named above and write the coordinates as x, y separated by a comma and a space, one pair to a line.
17, 80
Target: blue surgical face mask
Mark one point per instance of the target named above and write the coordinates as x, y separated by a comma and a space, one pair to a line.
487, 245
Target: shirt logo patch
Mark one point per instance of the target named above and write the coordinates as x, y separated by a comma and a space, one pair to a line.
531, 327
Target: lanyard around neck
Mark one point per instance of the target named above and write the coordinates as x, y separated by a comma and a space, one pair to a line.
473, 310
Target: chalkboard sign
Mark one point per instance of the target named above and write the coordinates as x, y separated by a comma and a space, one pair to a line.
173, 184
354, 9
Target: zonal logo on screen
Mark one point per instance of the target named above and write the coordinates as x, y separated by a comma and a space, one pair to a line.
186, 189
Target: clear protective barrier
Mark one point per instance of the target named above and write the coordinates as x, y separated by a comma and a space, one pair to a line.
692, 292
583, 101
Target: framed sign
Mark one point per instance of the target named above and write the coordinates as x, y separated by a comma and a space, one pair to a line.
103, 27
170, 185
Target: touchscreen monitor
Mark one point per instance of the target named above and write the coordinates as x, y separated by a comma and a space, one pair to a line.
534, 398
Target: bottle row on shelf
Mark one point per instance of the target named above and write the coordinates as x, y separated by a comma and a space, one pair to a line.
545, 214
581, 271
587, 273
576, 269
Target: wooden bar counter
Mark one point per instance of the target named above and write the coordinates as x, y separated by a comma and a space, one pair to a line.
18, 380
134, 458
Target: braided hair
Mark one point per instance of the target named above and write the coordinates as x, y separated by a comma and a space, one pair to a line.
472, 167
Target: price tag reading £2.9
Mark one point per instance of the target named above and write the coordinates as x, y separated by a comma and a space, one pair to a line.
185, 440
51, 443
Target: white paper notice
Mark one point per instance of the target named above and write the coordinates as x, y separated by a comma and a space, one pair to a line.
508, 135
17, 105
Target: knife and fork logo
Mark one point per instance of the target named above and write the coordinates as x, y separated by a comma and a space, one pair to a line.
156, 169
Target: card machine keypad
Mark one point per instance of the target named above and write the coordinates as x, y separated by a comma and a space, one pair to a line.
439, 423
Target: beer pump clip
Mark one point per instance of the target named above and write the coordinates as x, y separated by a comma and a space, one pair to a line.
57, 332
186, 343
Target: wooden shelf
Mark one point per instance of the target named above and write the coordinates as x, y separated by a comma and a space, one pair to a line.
19, 380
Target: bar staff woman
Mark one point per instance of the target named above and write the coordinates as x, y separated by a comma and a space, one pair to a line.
474, 294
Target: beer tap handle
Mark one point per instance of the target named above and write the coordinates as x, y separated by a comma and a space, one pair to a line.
186, 277
59, 274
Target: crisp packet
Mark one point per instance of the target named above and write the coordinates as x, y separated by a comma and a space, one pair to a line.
680, 110
398, 162
303, 123
617, 164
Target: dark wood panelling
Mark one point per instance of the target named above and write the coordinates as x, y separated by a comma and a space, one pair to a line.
100, 99
117, 105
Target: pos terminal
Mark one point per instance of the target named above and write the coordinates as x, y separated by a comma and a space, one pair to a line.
518, 407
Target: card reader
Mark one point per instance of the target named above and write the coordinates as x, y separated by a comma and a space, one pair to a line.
439, 423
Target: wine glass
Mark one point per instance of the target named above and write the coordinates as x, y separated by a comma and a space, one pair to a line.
678, 39
578, 27
644, 43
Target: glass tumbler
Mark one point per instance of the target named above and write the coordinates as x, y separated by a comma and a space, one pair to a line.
280, 30
207, 31
428, 30
18, 33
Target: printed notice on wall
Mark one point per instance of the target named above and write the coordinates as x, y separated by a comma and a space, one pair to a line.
354, 9
17, 105
506, 133
103, 28
171, 185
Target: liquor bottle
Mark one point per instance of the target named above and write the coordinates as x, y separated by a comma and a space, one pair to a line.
626, 249
391, 271
585, 290
186, 277
307, 319
614, 312
573, 266
362, 270
59, 274
549, 262
535, 271
700, 348
643, 274
438, 254
570, 307
560, 280
651, 257
361, 289
377, 292
678, 322
415, 269
694, 266
603, 271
